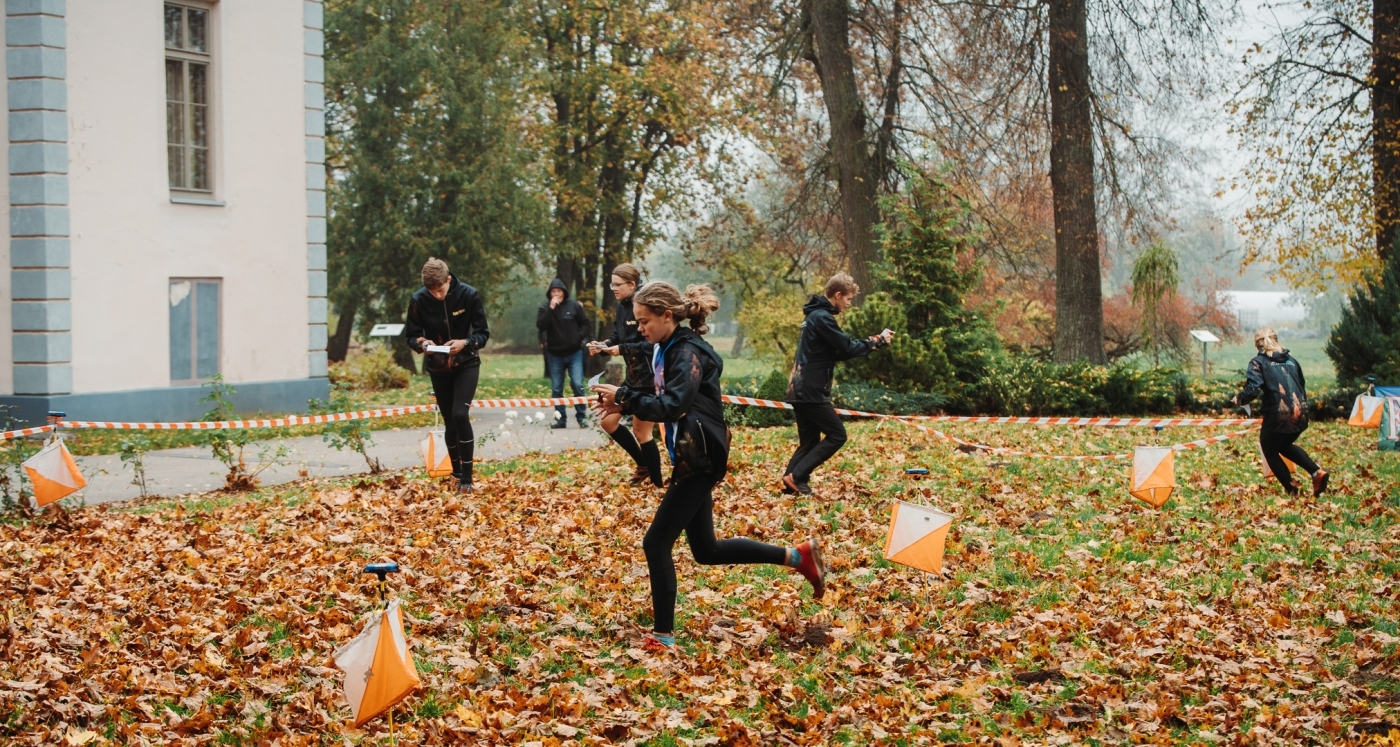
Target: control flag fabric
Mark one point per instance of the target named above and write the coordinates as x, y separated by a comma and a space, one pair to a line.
435, 457
53, 473
1366, 413
1154, 474
916, 538
378, 669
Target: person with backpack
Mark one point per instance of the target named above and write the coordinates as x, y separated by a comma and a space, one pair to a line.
565, 328
448, 313
635, 352
820, 433
1277, 378
686, 397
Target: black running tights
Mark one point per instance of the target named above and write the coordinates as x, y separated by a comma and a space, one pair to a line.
1280, 446
688, 506
455, 392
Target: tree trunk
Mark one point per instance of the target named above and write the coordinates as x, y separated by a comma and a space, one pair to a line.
1078, 289
1385, 121
830, 24
338, 347
738, 348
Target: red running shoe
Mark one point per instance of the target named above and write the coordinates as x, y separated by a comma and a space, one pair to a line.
1320, 482
812, 567
653, 646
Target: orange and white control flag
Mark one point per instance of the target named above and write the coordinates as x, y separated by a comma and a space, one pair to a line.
1264, 463
435, 456
1154, 474
378, 668
53, 473
917, 535
1366, 413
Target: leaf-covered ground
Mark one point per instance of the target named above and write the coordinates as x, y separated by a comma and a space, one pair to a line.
1068, 612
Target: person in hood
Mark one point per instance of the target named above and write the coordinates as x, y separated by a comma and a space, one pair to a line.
564, 329
1277, 378
446, 312
626, 341
685, 395
820, 433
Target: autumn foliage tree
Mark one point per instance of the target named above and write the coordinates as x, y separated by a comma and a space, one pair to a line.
427, 153
1319, 108
630, 92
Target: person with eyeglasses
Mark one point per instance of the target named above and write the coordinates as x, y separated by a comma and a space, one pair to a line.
627, 342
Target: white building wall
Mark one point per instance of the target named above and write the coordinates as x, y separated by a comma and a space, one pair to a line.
128, 239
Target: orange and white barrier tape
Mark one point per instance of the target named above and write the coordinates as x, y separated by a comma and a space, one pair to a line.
909, 420
1009, 420
21, 433
388, 412
1085, 457
546, 402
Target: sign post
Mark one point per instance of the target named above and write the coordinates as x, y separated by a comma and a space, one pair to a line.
1206, 338
390, 331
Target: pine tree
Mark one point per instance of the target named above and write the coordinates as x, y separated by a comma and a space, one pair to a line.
1366, 342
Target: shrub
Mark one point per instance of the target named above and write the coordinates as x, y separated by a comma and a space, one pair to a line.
1023, 386
857, 395
1366, 342
940, 345
773, 386
370, 371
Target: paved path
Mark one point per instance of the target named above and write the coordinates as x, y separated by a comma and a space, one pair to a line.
193, 470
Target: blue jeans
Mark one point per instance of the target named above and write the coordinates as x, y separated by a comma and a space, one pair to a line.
556, 365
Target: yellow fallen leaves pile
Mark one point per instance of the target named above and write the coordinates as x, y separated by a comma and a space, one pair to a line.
1068, 612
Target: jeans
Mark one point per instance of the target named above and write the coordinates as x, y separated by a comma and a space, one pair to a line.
688, 506
455, 392
1277, 447
815, 420
556, 365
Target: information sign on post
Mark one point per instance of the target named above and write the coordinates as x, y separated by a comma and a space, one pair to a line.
1206, 337
390, 331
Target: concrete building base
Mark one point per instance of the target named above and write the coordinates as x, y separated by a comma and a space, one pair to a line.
175, 403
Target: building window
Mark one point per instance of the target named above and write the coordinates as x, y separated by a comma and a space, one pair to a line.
194, 330
187, 96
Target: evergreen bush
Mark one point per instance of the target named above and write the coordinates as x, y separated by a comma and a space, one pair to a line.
1366, 341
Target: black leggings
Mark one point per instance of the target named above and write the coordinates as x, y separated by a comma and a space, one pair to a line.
689, 505
814, 421
1280, 446
455, 392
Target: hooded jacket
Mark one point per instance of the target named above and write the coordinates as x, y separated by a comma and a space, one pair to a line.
634, 349
691, 400
458, 316
564, 328
1278, 379
819, 348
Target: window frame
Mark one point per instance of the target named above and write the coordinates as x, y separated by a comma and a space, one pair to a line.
194, 329
185, 57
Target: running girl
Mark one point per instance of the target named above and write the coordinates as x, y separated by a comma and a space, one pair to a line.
685, 374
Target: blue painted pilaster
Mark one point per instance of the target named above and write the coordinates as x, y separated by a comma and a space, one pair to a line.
312, 17
36, 63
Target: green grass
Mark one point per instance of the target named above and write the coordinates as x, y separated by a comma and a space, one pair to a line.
1230, 358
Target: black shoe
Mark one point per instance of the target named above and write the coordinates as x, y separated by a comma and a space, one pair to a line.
560, 424
582, 423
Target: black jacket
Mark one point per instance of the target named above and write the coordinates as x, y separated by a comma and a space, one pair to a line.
691, 400
634, 349
458, 316
565, 327
819, 348
1278, 379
